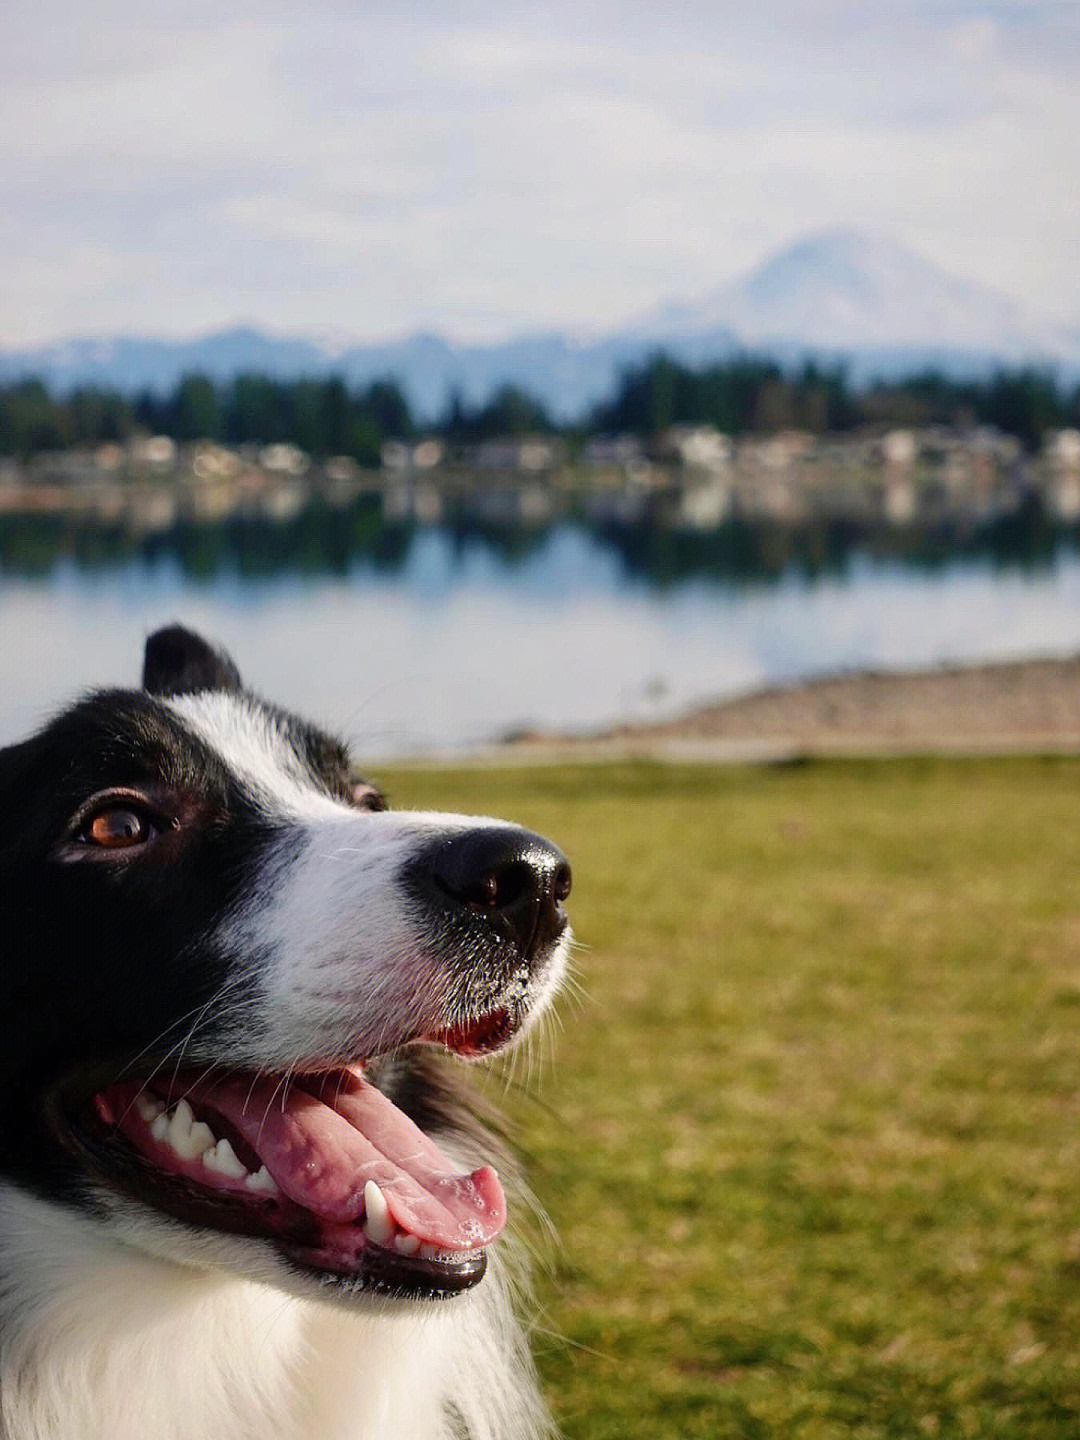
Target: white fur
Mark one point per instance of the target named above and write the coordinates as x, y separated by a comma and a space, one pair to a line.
100, 1341
343, 969
255, 749
126, 1325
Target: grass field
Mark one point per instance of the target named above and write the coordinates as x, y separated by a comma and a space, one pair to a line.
811, 1140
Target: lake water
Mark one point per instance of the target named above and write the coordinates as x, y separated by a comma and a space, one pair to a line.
459, 641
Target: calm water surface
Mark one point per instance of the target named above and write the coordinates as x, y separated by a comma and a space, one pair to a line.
459, 644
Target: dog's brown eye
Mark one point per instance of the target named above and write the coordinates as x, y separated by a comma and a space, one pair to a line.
117, 828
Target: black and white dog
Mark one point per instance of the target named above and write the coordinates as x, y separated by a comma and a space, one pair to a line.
233, 1181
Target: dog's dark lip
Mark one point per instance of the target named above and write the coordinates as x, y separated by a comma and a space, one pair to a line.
103, 1153
394, 1278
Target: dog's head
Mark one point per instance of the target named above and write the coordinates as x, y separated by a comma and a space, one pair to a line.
215, 937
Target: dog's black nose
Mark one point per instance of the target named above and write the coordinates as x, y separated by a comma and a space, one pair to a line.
516, 879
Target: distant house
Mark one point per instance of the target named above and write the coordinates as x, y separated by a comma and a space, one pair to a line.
1063, 449
603, 452
284, 459
152, 452
899, 449
208, 461
697, 447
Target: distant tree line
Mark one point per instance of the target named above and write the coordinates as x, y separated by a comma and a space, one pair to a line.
744, 395
758, 396
322, 417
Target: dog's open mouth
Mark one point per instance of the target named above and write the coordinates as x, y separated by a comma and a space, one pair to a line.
322, 1164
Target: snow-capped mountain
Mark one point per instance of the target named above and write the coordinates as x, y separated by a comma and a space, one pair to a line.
839, 293
845, 291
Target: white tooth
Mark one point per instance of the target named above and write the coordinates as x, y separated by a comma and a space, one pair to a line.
148, 1108
180, 1124
187, 1136
262, 1180
406, 1244
222, 1159
377, 1222
159, 1127
199, 1139
446, 1257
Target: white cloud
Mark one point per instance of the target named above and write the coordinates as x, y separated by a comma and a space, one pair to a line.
559, 164
974, 38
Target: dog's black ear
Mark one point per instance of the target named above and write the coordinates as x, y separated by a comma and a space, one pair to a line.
179, 662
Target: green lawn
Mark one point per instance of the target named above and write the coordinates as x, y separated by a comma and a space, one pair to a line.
811, 1137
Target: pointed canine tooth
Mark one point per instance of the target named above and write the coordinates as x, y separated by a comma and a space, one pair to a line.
198, 1140
223, 1160
149, 1108
180, 1123
406, 1244
377, 1221
263, 1182
182, 1117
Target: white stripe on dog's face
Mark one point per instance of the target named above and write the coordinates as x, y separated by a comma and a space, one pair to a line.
341, 964
253, 745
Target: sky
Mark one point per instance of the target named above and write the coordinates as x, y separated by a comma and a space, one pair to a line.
369, 169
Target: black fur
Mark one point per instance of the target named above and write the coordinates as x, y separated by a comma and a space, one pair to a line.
74, 935
78, 933
179, 662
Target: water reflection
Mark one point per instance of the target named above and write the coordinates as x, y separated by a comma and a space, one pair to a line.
415, 637
326, 540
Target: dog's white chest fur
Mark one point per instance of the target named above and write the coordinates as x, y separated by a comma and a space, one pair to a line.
110, 1344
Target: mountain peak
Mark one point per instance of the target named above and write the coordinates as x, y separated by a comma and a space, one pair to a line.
844, 289
840, 291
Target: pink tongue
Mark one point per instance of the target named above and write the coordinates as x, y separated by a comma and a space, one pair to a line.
323, 1149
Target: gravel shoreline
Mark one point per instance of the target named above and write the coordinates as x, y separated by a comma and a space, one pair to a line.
1030, 705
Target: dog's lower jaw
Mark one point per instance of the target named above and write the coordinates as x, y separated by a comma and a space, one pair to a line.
120, 1345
